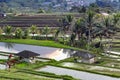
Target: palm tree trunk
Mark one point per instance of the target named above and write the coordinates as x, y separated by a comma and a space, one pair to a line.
33, 36
101, 41
89, 38
46, 36
79, 36
106, 45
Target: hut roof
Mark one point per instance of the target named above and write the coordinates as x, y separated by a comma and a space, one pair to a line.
27, 54
83, 54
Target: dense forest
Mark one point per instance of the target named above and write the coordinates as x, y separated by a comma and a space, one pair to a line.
40, 6
25, 5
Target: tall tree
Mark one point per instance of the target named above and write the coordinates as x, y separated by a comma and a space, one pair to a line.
116, 19
1, 31
89, 22
57, 34
72, 39
79, 28
69, 18
46, 31
106, 29
65, 23
8, 31
33, 29
19, 33
26, 33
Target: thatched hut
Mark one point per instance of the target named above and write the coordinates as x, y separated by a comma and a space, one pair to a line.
2, 15
27, 56
86, 57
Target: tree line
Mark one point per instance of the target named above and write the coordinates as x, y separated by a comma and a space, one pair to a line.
77, 32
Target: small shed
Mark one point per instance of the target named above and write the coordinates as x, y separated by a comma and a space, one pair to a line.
2, 15
27, 56
86, 57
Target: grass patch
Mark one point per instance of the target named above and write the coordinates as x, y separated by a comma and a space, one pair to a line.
40, 43
13, 75
116, 49
2, 61
37, 42
24, 71
46, 74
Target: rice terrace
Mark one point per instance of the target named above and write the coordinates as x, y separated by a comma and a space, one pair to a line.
59, 40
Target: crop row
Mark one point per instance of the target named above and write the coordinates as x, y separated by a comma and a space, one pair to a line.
29, 24
31, 19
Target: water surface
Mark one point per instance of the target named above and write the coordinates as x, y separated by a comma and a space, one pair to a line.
46, 52
76, 74
2, 67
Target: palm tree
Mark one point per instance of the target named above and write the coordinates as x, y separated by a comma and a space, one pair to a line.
69, 18
105, 29
18, 33
1, 31
108, 29
99, 32
65, 24
79, 28
8, 31
46, 31
78, 33
9, 45
89, 22
72, 39
33, 29
63, 27
57, 33
116, 18
26, 33
68, 21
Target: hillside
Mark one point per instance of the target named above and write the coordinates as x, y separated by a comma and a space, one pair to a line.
26, 5
29, 6
35, 5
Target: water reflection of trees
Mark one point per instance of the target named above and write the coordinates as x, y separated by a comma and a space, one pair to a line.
9, 45
69, 52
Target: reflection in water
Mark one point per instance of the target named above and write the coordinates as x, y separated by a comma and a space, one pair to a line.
58, 55
3, 57
2, 66
9, 45
69, 52
45, 52
68, 64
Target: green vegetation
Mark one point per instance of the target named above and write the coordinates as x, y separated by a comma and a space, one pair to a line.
37, 42
92, 32
116, 49
14, 75
103, 66
24, 70
46, 43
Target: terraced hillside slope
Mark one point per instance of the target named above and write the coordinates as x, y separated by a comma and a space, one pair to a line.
38, 20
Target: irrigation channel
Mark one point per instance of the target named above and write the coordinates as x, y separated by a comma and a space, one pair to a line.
76, 74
